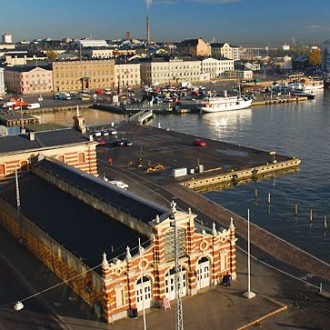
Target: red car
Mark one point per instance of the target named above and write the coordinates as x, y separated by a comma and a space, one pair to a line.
100, 142
199, 143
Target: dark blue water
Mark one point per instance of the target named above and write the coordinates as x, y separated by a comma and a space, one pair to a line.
299, 129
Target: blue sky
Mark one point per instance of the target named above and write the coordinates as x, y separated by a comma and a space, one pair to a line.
240, 22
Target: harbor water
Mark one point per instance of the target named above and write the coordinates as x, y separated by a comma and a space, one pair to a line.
293, 206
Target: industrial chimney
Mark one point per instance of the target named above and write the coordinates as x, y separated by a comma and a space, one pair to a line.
148, 30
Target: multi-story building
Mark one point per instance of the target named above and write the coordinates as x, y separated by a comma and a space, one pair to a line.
194, 47
215, 67
2, 82
28, 79
83, 75
326, 56
127, 75
66, 145
97, 53
170, 70
7, 38
225, 50
21, 58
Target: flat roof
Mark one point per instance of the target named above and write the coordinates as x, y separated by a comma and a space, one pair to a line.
81, 229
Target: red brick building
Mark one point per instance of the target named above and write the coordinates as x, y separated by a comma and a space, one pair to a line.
144, 280
67, 145
74, 218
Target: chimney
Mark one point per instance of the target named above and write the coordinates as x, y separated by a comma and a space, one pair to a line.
148, 30
31, 136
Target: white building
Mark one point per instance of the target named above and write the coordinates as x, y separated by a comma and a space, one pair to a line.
91, 43
7, 38
2, 82
127, 75
97, 53
215, 67
325, 49
169, 71
225, 50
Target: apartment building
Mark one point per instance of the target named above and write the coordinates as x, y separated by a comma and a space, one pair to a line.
215, 67
225, 50
127, 74
2, 81
161, 70
83, 75
194, 47
28, 79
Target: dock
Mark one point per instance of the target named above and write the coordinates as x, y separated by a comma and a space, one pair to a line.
147, 167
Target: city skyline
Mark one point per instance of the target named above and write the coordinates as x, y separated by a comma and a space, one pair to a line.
241, 22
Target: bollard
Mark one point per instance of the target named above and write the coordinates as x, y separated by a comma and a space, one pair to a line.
255, 193
311, 215
268, 198
321, 287
325, 223
296, 209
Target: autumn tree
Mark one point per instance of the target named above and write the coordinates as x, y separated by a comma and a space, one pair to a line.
314, 57
51, 55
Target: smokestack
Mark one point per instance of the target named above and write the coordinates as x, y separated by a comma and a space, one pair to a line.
148, 30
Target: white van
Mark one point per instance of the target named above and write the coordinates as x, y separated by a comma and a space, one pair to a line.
33, 106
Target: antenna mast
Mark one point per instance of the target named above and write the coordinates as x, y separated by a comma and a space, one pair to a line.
179, 311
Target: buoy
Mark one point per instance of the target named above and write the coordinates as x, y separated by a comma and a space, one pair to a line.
268, 198
255, 193
325, 223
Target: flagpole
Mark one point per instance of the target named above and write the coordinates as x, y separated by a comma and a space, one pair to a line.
249, 294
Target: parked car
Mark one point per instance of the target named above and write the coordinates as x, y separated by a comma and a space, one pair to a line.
122, 143
100, 142
119, 184
199, 143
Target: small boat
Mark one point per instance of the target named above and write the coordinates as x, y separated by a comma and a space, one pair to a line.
310, 94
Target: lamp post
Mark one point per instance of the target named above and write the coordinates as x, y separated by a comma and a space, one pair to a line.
249, 294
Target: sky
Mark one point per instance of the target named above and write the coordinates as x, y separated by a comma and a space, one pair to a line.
238, 22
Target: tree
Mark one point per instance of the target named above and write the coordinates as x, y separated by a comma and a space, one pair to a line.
51, 55
314, 57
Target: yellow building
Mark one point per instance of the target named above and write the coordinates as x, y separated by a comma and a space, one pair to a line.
83, 75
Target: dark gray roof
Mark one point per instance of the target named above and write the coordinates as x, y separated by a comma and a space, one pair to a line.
16, 143
82, 230
127, 202
43, 139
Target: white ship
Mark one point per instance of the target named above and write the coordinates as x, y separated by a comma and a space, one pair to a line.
225, 103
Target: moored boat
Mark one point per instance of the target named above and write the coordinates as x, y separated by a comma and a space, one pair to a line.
313, 83
225, 103
310, 94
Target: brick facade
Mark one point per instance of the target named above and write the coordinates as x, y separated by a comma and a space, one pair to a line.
205, 257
